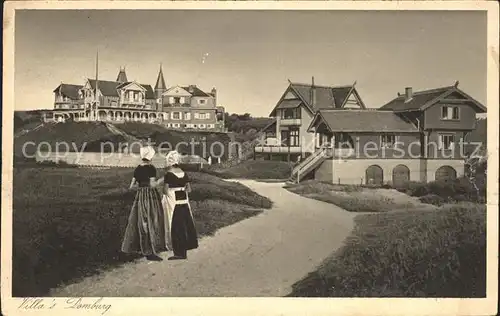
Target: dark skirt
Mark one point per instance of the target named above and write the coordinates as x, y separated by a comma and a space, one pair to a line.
145, 232
184, 236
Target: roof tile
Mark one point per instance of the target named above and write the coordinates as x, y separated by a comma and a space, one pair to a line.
366, 121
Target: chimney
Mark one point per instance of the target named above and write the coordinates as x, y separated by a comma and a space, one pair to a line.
408, 93
313, 93
214, 92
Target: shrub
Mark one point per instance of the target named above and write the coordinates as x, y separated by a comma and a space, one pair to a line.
458, 189
432, 199
253, 169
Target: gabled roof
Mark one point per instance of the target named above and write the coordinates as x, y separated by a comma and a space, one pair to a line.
196, 92
150, 94
421, 100
363, 121
69, 90
327, 97
107, 88
268, 126
110, 88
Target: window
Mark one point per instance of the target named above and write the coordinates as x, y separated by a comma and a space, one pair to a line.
290, 113
450, 112
187, 115
177, 100
202, 101
202, 116
387, 141
294, 137
202, 125
182, 100
195, 126
176, 115
284, 138
446, 141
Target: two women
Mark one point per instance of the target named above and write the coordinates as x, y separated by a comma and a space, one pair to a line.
157, 224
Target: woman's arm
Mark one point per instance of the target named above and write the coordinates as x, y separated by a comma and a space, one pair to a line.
153, 182
160, 181
133, 184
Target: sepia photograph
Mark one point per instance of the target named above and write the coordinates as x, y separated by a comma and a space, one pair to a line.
203, 150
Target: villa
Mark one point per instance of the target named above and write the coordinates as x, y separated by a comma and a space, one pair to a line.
179, 107
418, 136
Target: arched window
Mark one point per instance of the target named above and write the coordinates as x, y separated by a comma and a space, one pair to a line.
400, 175
374, 175
446, 173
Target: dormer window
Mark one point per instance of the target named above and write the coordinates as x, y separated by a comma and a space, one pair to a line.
450, 112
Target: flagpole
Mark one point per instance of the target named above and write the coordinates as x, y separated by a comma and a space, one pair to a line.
96, 85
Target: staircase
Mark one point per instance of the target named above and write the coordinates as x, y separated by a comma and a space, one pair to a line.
26, 131
309, 164
115, 130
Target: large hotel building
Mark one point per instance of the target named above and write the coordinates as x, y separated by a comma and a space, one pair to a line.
183, 107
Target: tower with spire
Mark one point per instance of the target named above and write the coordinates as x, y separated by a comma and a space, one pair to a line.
122, 76
160, 86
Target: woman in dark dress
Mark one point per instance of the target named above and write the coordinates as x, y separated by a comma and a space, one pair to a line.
180, 229
145, 232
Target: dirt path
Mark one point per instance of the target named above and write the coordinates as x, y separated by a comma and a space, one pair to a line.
259, 256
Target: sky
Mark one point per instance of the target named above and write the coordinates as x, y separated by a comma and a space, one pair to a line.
249, 56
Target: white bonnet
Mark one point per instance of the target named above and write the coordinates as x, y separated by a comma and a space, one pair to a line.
147, 152
172, 158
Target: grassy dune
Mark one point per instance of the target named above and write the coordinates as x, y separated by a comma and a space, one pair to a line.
407, 254
68, 222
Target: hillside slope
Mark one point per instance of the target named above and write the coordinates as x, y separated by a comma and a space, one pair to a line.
89, 136
75, 134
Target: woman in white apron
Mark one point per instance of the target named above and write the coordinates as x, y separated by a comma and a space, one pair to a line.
180, 231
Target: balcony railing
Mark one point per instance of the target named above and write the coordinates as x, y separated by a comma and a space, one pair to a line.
68, 101
278, 149
177, 104
290, 121
133, 102
340, 152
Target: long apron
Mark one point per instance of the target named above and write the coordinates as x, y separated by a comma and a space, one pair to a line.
170, 207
